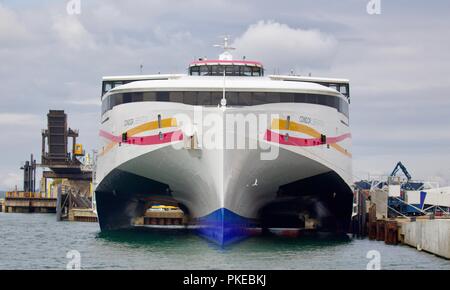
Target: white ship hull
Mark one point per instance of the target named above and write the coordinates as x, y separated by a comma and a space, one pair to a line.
223, 188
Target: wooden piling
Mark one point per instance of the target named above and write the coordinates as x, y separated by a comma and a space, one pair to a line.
373, 230
381, 230
391, 233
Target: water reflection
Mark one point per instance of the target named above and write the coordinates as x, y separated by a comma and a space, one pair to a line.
154, 238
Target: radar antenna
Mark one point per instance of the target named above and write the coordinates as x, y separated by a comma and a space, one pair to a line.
226, 55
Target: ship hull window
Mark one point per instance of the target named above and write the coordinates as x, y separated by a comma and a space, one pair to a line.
245, 99
322, 100
233, 99
311, 99
259, 99
287, 98
162, 96
273, 98
190, 98
216, 97
176, 97
149, 97
300, 98
127, 98
137, 97
204, 98
116, 100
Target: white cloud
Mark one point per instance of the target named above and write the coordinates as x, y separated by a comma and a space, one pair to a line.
86, 102
280, 46
10, 180
19, 119
72, 33
11, 28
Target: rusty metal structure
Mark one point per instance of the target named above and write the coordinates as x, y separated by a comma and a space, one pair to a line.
57, 135
29, 175
62, 163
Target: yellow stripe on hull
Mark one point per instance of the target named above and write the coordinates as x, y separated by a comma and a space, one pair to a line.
150, 126
280, 124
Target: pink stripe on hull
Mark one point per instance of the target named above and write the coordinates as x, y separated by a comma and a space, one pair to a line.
301, 142
147, 140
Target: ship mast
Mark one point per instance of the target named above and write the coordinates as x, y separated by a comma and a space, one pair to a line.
226, 55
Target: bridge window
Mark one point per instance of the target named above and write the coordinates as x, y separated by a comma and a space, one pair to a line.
237, 70
204, 70
217, 70
247, 71
108, 86
256, 71
230, 70
195, 71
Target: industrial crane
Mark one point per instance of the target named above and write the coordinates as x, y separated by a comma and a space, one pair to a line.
403, 168
399, 204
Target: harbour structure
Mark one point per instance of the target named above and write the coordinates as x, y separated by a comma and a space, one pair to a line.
400, 210
74, 168
165, 137
427, 232
56, 156
406, 196
69, 170
28, 200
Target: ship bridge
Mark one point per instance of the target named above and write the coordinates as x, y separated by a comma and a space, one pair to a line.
222, 67
226, 65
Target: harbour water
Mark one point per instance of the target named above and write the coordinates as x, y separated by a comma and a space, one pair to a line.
39, 242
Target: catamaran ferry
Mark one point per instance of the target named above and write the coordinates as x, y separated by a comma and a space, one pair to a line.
232, 147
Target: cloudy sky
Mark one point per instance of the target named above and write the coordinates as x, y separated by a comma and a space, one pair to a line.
398, 63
